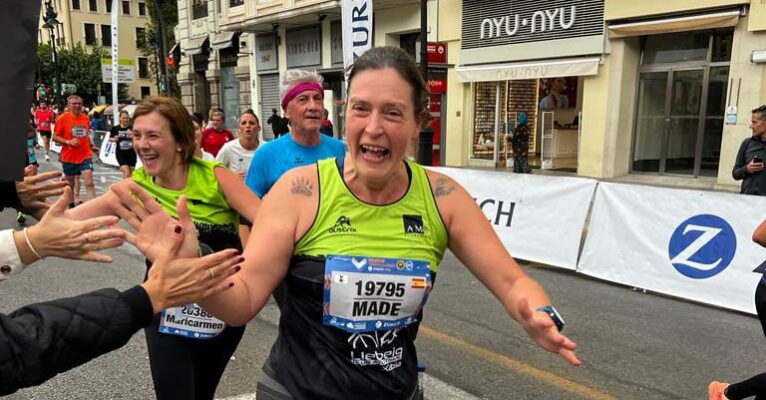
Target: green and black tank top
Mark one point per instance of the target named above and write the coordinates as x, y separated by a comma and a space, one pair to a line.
216, 222
318, 361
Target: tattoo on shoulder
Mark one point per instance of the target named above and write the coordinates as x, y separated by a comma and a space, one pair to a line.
443, 187
302, 186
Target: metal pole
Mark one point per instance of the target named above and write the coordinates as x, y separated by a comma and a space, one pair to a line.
424, 39
163, 48
56, 81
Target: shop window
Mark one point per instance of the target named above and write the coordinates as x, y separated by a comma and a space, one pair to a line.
90, 34
515, 97
722, 43
676, 47
485, 108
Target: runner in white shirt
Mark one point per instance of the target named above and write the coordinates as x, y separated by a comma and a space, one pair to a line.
237, 154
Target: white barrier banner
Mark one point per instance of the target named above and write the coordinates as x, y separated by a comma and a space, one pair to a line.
108, 154
538, 218
687, 243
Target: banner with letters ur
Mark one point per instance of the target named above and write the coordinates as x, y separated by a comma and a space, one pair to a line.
686, 243
538, 218
356, 28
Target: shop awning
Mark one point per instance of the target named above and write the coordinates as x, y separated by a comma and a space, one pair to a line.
223, 40
528, 70
720, 19
195, 46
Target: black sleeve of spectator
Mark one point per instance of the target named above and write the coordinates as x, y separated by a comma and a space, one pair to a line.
8, 195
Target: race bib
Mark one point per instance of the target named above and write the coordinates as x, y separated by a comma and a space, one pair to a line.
79, 131
190, 321
363, 294
126, 144
45, 126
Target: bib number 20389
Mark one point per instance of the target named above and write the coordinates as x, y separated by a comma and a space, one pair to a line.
365, 294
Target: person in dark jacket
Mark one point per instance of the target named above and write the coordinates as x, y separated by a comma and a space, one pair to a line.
748, 166
39, 341
520, 145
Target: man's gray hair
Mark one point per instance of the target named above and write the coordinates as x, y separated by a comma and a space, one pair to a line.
295, 76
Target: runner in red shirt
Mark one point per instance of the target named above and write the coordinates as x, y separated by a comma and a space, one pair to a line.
72, 132
213, 138
44, 120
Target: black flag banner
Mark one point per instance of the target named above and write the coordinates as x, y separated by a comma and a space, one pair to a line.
19, 24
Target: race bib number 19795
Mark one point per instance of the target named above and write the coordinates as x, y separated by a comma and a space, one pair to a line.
363, 294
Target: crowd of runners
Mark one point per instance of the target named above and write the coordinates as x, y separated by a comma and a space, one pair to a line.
347, 236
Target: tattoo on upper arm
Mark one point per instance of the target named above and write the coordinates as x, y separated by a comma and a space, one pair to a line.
443, 187
302, 186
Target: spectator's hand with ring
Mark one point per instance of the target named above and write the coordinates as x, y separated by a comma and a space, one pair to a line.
174, 281
58, 236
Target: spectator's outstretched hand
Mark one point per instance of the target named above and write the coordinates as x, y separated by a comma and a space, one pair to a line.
58, 236
174, 281
35, 189
145, 215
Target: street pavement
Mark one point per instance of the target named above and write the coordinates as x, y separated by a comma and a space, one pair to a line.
634, 345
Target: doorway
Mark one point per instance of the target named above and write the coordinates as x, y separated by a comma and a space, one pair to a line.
681, 101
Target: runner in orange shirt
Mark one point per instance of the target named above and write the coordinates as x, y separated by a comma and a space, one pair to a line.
72, 132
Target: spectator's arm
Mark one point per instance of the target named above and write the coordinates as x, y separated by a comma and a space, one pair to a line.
739, 171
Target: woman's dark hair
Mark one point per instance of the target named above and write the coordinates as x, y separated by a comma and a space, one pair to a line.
197, 117
379, 58
251, 112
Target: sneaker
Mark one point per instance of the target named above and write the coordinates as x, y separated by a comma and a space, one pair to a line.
77, 199
715, 391
20, 218
47, 158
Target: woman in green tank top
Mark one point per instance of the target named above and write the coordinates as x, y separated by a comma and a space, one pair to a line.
188, 347
358, 241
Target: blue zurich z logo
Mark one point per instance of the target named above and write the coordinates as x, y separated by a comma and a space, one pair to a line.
702, 246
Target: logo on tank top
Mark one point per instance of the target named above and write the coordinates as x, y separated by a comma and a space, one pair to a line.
413, 224
342, 225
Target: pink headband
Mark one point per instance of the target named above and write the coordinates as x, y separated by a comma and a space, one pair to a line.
298, 89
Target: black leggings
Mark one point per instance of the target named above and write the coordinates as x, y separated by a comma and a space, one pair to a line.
189, 369
755, 386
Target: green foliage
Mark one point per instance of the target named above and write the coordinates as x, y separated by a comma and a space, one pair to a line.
75, 66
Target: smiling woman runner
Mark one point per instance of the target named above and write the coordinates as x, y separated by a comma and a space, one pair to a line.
358, 242
188, 347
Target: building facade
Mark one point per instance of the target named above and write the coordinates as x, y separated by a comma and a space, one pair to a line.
612, 87
214, 67
281, 35
88, 22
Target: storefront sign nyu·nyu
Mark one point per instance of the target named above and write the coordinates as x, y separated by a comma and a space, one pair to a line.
559, 18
